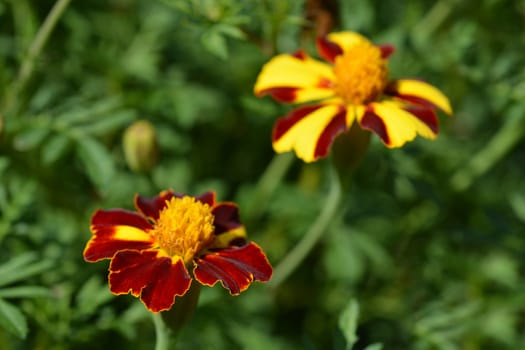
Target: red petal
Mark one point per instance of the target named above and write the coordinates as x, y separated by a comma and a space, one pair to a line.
106, 224
156, 279
281, 94
372, 122
386, 50
117, 217
300, 54
207, 198
328, 49
334, 128
151, 207
235, 267
286, 123
226, 217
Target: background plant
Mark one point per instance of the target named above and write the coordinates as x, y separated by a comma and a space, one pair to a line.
427, 252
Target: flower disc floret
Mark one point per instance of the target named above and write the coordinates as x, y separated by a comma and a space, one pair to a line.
361, 74
184, 227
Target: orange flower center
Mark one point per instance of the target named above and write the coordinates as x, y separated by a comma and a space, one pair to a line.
361, 74
184, 227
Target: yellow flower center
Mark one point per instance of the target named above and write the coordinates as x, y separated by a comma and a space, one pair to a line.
184, 227
361, 74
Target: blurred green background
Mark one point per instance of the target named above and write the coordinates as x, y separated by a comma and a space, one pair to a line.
427, 251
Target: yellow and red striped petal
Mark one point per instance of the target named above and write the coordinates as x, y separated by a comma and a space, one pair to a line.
353, 113
334, 44
309, 130
236, 268
395, 125
114, 230
226, 217
228, 229
155, 278
151, 207
419, 92
231, 238
295, 79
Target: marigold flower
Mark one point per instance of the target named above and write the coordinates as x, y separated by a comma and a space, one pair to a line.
152, 250
354, 86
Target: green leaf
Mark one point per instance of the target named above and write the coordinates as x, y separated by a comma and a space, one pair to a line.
22, 267
348, 323
24, 292
53, 149
29, 139
96, 160
230, 31
215, 43
115, 120
92, 295
375, 346
12, 319
83, 113
16, 263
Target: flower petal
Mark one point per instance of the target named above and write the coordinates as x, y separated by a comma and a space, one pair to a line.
115, 230
157, 279
353, 113
328, 49
336, 43
207, 198
419, 92
394, 125
235, 268
228, 229
235, 237
370, 121
309, 130
226, 217
426, 115
386, 50
151, 207
295, 78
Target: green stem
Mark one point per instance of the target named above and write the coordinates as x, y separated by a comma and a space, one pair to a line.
290, 263
162, 333
268, 182
27, 66
433, 19
500, 144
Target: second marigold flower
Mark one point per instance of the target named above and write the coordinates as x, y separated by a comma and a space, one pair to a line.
153, 250
352, 86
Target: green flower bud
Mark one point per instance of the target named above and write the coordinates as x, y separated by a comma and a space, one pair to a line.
140, 146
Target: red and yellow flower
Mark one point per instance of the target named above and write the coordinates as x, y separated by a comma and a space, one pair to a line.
153, 249
352, 86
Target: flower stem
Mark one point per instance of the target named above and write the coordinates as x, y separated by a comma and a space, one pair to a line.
162, 333
268, 182
501, 143
290, 263
27, 66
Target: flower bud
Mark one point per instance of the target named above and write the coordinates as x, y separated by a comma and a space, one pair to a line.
140, 146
